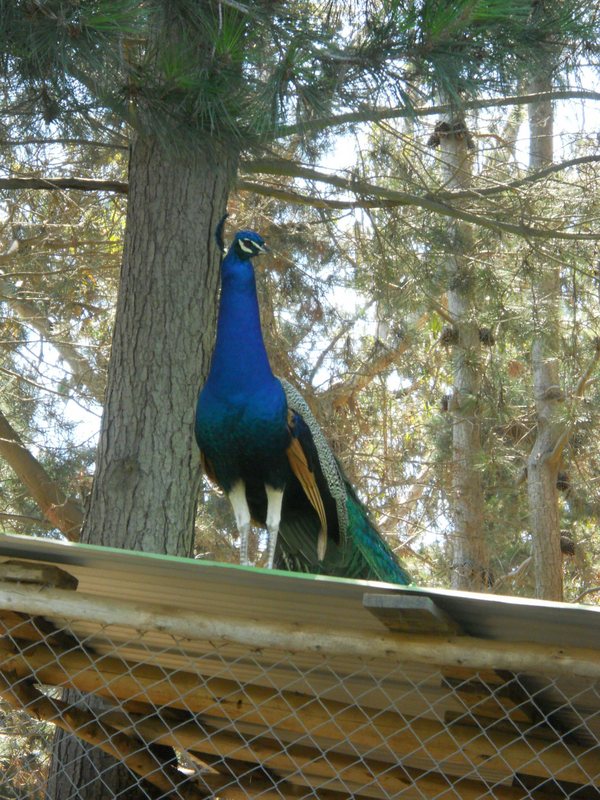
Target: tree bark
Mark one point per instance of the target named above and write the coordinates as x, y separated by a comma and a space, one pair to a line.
148, 468
542, 467
468, 550
147, 472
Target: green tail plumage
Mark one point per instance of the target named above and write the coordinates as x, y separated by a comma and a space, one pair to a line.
355, 548
362, 553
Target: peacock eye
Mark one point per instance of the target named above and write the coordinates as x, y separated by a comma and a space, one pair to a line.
247, 245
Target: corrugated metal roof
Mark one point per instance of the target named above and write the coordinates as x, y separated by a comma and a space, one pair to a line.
226, 590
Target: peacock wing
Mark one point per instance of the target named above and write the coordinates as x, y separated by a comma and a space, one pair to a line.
349, 543
316, 467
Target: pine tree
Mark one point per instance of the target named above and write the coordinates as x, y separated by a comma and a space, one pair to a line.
468, 551
197, 84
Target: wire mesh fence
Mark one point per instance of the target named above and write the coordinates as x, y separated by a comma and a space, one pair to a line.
107, 711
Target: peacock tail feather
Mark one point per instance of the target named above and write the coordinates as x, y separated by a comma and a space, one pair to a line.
355, 548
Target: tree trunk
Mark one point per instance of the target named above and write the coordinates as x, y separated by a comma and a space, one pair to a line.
469, 556
147, 472
542, 467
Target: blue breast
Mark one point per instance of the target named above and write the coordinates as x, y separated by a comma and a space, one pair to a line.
244, 435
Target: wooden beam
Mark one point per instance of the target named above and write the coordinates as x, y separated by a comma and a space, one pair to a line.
23, 696
427, 740
303, 765
393, 648
492, 700
367, 776
128, 748
402, 613
16, 571
319, 682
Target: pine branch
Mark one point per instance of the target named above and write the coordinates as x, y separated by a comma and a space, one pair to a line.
340, 394
441, 310
347, 326
592, 590
82, 370
380, 114
507, 141
413, 529
61, 140
389, 198
82, 184
532, 177
43, 388
289, 196
63, 513
380, 359
292, 169
371, 195
516, 574
555, 456
25, 519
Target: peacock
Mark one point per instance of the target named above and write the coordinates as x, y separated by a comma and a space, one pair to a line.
261, 445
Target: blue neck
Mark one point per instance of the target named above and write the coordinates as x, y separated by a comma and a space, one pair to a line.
239, 361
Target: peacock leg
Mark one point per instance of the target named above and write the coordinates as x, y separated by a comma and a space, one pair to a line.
237, 498
244, 536
274, 501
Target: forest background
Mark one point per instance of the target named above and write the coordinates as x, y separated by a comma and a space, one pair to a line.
426, 175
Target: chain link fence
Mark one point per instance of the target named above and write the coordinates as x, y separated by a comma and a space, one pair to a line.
195, 719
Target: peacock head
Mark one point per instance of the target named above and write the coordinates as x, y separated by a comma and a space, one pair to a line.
247, 244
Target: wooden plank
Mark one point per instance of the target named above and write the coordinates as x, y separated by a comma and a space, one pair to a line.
365, 729
16, 571
491, 702
21, 624
489, 676
35, 629
342, 683
452, 772
410, 614
80, 722
304, 765
126, 748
